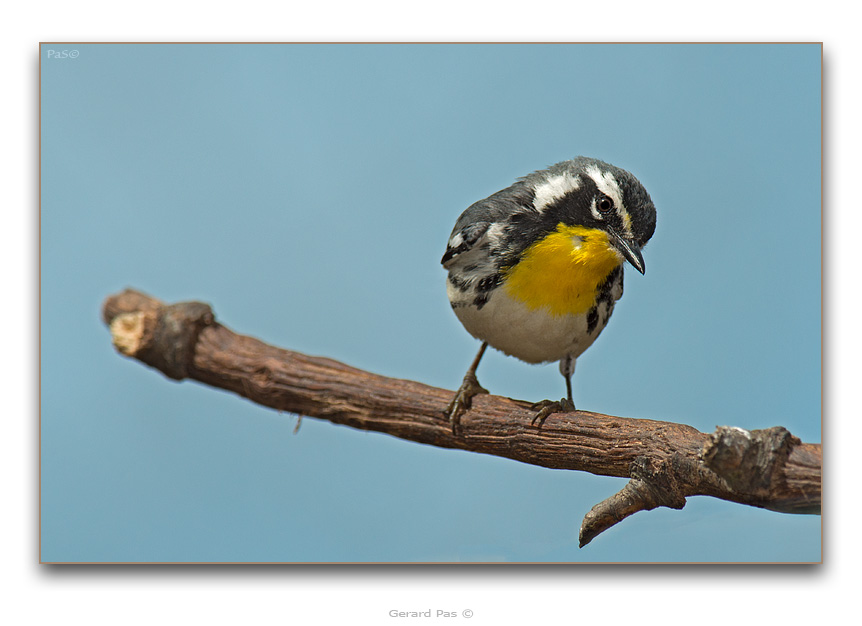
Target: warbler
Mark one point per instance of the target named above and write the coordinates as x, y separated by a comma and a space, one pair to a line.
535, 269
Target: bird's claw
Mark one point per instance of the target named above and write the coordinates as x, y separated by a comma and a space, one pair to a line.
463, 401
547, 407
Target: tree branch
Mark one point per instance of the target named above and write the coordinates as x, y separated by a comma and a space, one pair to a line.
666, 462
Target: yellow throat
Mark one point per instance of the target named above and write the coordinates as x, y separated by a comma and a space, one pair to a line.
562, 272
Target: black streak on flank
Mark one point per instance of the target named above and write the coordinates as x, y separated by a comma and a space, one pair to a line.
484, 288
592, 319
489, 282
607, 286
604, 295
459, 284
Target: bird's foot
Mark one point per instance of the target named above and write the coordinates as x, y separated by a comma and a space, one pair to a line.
547, 407
463, 400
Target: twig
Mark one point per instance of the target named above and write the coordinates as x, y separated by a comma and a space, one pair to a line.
666, 462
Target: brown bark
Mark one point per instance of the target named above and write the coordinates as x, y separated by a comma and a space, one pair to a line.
666, 462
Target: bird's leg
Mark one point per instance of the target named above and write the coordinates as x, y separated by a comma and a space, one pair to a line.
463, 399
564, 405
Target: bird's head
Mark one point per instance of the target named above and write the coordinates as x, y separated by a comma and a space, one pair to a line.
592, 194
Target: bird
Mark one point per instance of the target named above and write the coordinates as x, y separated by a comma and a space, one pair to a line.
534, 270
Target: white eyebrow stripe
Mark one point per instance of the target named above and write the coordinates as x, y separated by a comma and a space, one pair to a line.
607, 184
552, 189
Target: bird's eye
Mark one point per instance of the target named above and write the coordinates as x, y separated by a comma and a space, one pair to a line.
605, 205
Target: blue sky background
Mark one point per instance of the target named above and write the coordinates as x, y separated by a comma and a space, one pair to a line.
307, 192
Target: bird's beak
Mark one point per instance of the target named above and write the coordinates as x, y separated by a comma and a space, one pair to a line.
630, 249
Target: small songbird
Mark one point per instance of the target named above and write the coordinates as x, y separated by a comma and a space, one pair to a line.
535, 269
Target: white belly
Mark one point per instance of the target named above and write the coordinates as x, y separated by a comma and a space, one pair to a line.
534, 336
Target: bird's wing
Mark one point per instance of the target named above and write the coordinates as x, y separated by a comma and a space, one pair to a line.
495, 210
463, 239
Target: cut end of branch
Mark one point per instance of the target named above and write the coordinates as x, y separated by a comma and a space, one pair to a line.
162, 336
127, 332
